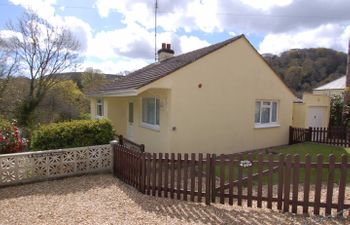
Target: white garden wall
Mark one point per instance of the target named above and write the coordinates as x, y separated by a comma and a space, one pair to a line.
43, 165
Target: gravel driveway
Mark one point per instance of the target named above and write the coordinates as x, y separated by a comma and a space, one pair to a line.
103, 199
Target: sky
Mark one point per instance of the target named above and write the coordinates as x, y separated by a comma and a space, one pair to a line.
118, 35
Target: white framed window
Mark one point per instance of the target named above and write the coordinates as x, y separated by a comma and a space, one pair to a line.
99, 108
266, 113
150, 112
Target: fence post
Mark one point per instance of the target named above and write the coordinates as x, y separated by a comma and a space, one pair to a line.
309, 138
142, 148
114, 155
213, 178
121, 139
287, 173
142, 173
208, 180
291, 135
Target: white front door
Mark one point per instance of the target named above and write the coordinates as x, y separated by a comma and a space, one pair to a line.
130, 120
316, 116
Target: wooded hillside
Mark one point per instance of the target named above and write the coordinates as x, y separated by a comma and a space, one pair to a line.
305, 69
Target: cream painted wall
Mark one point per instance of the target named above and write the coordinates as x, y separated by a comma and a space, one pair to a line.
117, 112
299, 113
154, 140
219, 116
93, 108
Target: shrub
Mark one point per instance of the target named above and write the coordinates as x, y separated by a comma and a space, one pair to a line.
339, 113
76, 133
10, 139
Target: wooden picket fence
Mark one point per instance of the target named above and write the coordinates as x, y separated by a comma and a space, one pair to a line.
338, 136
282, 182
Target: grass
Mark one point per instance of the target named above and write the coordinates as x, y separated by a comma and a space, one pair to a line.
313, 149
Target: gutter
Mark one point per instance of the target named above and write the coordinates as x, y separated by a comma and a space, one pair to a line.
118, 93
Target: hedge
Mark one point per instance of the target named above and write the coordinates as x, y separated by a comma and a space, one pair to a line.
71, 134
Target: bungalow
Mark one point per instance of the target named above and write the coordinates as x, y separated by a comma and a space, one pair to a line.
333, 88
223, 98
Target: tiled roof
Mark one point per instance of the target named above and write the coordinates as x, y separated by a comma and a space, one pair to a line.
336, 84
155, 71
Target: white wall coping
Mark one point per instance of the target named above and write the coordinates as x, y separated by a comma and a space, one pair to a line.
61, 150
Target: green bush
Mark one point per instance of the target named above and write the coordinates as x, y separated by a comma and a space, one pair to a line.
76, 133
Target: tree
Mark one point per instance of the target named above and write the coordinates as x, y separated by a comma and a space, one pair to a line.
43, 51
63, 102
92, 78
305, 69
8, 66
17, 90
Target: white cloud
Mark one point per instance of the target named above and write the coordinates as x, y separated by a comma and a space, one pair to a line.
133, 41
172, 15
287, 23
204, 14
329, 36
104, 7
190, 43
81, 30
240, 16
114, 67
44, 8
266, 4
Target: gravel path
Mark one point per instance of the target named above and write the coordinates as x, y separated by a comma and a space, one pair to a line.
103, 199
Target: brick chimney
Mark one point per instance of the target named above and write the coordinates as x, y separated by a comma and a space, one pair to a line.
165, 52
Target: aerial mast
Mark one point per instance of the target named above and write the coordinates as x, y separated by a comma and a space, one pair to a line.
155, 30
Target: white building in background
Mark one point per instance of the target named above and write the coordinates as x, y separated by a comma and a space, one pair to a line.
332, 88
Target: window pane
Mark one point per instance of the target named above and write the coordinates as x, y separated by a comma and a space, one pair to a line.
265, 115
131, 112
144, 110
99, 107
157, 111
257, 112
151, 111
274, 112
266, 103
99, 110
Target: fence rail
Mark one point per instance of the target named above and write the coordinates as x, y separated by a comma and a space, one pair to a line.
272, 181
130, 144
339, 136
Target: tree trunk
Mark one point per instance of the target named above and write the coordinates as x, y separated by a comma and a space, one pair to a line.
25, 112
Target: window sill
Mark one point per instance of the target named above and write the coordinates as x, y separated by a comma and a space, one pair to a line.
151, 127
266, 125
99, 117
